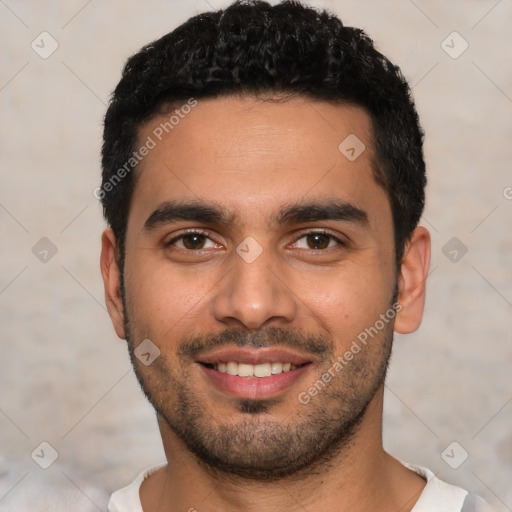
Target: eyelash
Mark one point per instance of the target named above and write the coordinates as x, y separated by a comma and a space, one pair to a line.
206, 234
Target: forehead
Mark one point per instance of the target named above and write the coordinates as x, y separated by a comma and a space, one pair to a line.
253, 156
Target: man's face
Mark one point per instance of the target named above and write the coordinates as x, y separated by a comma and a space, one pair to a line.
275, 249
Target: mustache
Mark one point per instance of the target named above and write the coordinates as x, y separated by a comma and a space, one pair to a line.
274, 336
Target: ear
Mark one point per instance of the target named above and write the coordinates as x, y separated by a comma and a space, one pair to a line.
111, 281
412, 281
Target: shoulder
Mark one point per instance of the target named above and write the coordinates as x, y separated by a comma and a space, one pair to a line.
127, 499
440, 496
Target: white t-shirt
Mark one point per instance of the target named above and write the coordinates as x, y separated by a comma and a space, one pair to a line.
437, 496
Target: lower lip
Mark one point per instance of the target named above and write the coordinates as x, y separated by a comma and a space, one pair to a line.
254, 388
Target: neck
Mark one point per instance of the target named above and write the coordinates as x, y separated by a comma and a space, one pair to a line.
358, 476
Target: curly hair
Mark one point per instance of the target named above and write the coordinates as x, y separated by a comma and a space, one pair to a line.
254, 48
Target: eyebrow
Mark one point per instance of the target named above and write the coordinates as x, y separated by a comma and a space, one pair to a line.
171, 211
319, 210
213, 214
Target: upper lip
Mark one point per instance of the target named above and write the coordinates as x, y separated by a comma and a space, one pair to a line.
254, 356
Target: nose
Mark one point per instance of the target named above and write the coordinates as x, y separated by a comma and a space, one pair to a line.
254, 295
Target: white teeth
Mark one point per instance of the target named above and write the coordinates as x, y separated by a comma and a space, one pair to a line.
254, 370
232, 368
262, 370
245, 370
277, 368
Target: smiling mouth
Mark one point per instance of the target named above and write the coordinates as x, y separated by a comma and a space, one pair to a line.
260, 370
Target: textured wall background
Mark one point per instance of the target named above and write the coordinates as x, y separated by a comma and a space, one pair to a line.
65, 377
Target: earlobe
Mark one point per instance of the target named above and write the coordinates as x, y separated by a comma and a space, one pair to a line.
111, 281
412, 281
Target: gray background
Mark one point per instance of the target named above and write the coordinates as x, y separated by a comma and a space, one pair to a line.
65, 377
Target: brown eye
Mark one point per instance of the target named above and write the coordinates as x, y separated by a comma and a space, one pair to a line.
193, 241
318, 241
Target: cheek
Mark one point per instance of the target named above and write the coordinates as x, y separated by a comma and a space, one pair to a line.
163, 301
347, 301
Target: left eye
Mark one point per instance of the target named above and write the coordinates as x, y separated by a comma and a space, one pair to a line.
316, 241
193, 241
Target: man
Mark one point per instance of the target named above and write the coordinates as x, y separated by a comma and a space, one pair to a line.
263, 179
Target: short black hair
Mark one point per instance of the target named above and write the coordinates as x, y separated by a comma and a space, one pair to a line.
252, 48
